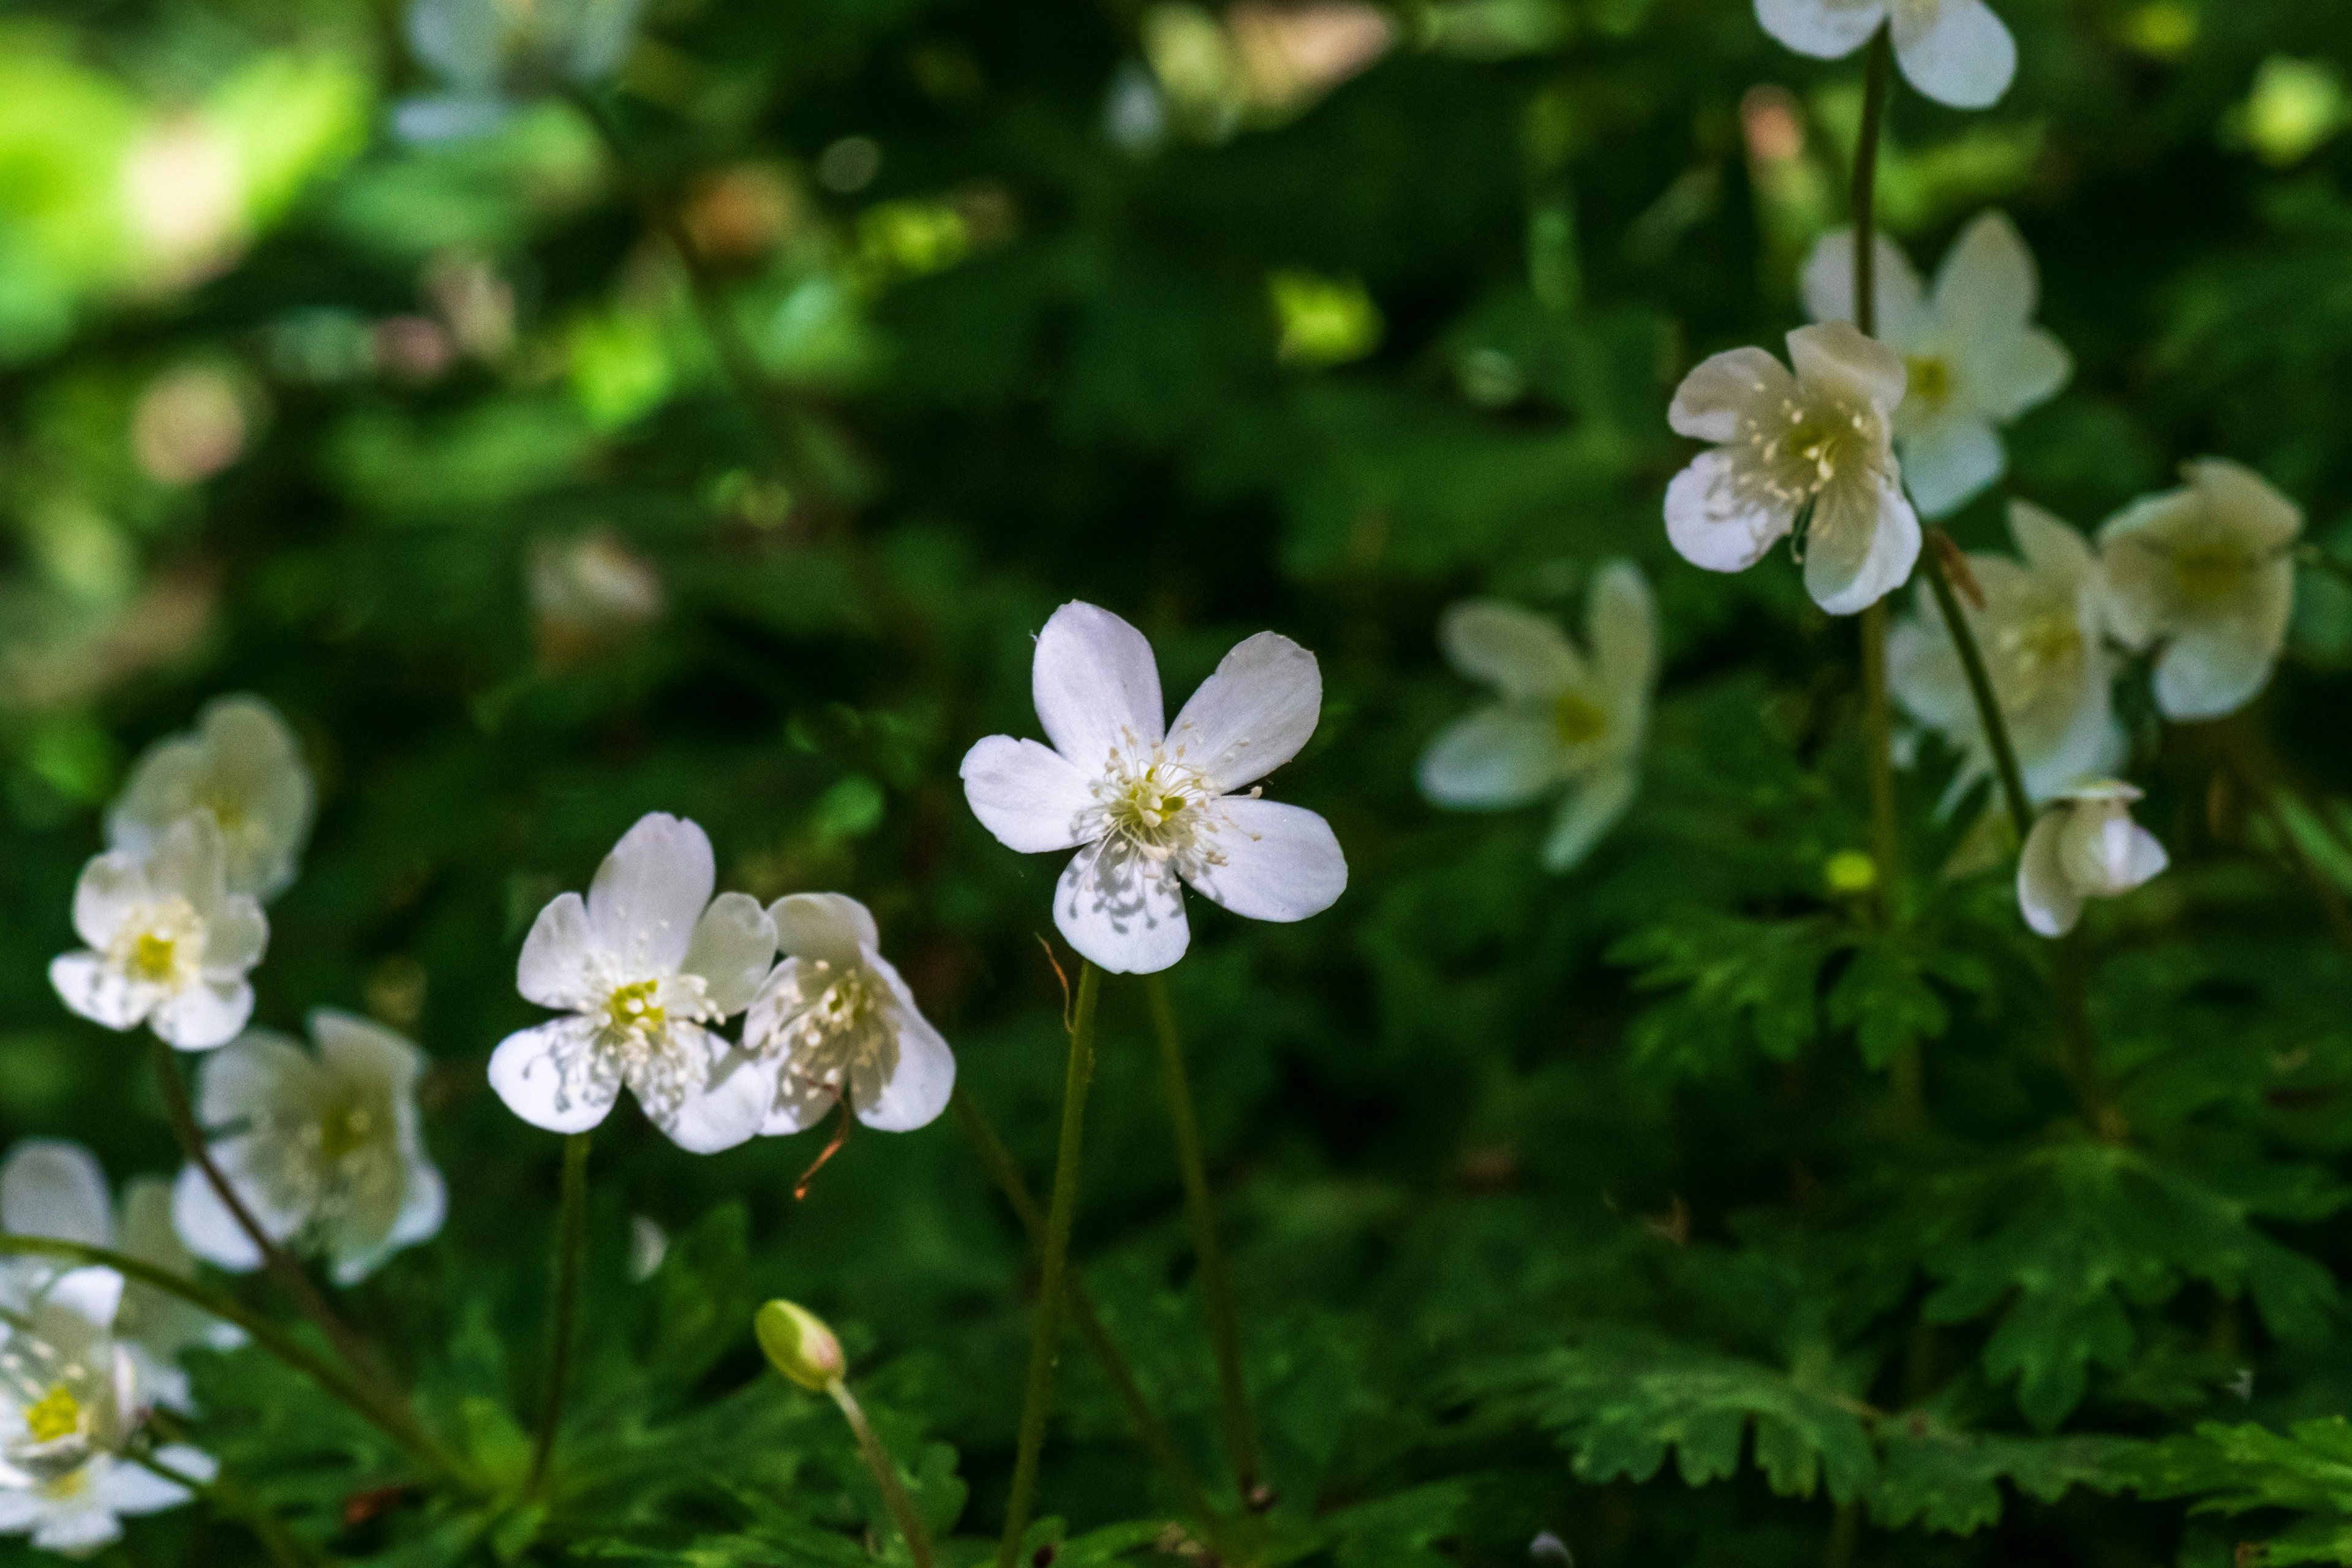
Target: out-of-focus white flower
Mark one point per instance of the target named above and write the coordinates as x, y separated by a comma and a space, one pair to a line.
1955, 51
588, 591
489, 52
170, 945
835, 1017
2208, 570
241, 766
1819, 442
184, 196
2040, 631
2084, 845
1565, 721
189, 424
642, 965
54, 1188
1974, 357
323, 1149
1149, 806
69, 1404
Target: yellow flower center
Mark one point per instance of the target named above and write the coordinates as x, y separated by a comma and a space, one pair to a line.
1577, 719
161, 944
228, 809
633, 1010
344, 1129
153, 958
1931, 380
72, 1484
57, 1416
2208, 570
1796, 450
2038, 657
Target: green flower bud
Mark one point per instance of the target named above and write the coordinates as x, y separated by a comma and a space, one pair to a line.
799, 1345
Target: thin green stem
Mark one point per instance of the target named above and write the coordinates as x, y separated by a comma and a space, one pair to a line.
886, 1476
1054, 1258
1988, 714
1216, 1280
1149, 1428
570, 1239
280, 1265
1878, 77
394, 1423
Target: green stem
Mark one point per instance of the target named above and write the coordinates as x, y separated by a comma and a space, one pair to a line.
886, 1475
1216, 1280
1988, 714
1006, 1172
1054, 1258
281, 1266
1878, 76
395, 1424
570, 1237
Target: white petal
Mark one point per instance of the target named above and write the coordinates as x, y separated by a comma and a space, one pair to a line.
733, 944
2005, 379
1951, 461
130, 1490
1522, 654
1818, 28
1282, 862
236, 936
204, 1015
77, 1529
2135, 565
1121, 909
1030, 796
1096, 684
51, 1187
1711, 524
558, 967
2252, 506
1622, 625
1253, 714
2048, 901
361, 1050
799, 1105
260, 1071
90, 1296
1494, 758
424, 1208
1987, 285
831, 927
1955, 51
1591, 809
2051, 546
1835, 357
190, 861
20, 1509
725, 1110
552, 1077
84, 983
1709, 402
2105, 852
1863, 541
919, 1088
112, 887
650, 891
1829, 283
208, 1227
2205, 674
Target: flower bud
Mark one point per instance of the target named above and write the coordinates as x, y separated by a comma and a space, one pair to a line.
799, 1345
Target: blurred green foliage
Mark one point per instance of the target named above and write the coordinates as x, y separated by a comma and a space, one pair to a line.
1674, 1207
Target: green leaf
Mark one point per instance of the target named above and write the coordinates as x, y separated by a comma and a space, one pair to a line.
1727, 968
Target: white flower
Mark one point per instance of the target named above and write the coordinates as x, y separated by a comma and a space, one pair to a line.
1955, 51
242, 766
1563, 722
489, 52
1975, 359
169, 944
1818, 441
642, 964
2084, 845
69, 1404
54, 1188
835, 1012
2039, 632
1145, 807
2208, 571
323, 1149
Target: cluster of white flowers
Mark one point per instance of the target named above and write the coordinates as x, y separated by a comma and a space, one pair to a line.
1563, 723
649, 960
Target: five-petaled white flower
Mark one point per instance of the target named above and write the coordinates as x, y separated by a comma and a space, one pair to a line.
642, 965
69, 1405
2040, 633
1955, 51
55, 1188
241, 765
1815, 443
2084, 845
323, 1149
2208, 571
1147, 806
1564, 721
1975, 358
170, 945
834, 1016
